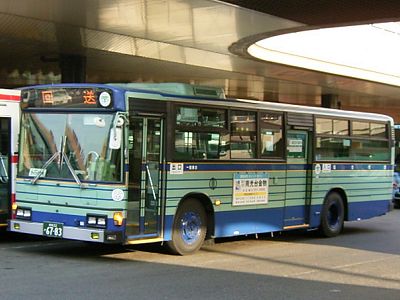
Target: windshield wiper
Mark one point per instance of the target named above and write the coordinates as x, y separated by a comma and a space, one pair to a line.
65, 158
62, 159
46, 164
71, 169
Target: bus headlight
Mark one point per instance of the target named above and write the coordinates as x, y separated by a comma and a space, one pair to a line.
101, 221
23, 213
91, 220
118, 218
96, 221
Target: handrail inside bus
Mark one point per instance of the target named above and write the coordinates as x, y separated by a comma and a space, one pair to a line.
4, 174
151, 182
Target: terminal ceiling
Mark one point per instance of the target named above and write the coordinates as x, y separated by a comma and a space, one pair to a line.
195, 41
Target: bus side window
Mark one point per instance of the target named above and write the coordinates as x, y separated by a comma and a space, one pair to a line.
271, 135
198, 145
243, 134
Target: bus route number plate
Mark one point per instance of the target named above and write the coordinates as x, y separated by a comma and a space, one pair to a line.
53, 229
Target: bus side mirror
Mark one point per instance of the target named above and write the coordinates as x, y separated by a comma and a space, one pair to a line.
115, 138
116, 134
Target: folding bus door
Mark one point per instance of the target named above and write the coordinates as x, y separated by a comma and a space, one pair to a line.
144, 194
297, 179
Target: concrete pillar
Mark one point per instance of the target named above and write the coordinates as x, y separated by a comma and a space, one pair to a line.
73, 68
330, 101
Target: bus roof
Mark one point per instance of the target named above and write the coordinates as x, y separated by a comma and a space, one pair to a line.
182, 92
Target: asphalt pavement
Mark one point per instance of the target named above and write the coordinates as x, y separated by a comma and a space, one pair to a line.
361, 263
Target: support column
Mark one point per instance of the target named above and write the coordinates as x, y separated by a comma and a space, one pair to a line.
73, 68
330, 101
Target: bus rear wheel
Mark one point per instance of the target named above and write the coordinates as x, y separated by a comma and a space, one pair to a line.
189, 228
332, 216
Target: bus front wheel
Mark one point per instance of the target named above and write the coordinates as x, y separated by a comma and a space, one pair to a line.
332, 216
189, 228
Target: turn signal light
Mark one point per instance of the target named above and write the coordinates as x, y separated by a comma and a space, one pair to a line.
118, 218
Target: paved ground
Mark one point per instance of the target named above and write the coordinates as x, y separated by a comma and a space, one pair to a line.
362, 263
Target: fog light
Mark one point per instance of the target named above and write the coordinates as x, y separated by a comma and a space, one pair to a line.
17, 226
112, 237
118, 218
94, 236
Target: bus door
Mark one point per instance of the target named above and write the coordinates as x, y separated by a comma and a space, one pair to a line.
5, 169
298, 179
144, 193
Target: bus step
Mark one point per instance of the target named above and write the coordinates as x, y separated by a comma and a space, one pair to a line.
296, 226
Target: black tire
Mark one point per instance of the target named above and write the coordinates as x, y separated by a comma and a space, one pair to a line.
332, 216
396, 204
189, 228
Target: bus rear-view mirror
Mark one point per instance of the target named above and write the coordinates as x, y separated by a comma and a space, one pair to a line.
115, 138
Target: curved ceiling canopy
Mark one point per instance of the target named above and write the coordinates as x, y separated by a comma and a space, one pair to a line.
368, 52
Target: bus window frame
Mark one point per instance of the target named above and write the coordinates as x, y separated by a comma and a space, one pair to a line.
224, 132
350, 137
284, 128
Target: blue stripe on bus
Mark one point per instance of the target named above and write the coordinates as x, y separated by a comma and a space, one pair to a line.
231, 223
184, 180
360, 167
242, 222
258, 166
367, 209
71, 220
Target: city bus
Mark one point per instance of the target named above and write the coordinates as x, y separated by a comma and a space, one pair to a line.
182, 164
9, 127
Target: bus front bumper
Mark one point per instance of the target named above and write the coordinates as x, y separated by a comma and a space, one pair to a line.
68, 232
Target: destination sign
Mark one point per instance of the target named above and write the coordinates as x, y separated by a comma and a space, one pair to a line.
65, 97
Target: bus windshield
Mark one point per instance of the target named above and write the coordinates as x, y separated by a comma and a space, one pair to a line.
68, 146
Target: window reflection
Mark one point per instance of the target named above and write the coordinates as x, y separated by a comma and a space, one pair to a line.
271, 135
82, 137
243, 134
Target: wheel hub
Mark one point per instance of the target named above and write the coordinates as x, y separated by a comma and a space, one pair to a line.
190, 227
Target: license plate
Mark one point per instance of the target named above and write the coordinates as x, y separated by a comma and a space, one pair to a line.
53, 229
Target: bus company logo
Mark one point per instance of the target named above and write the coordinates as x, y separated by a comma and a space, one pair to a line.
117, 195
47, 97
89, 97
